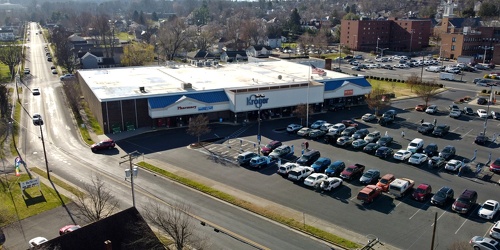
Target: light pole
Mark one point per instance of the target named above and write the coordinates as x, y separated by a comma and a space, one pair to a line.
411, 38
355, 45
132, 171
39, 122
382, 52
485, 49
488, 110
376, 49
257, 97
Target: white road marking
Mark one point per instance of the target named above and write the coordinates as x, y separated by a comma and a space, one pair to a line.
440, 217
470, 214
467, 133
455, 129
418, 210
395, 206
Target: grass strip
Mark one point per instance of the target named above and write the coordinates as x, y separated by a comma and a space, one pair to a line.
57, 181
91, 119
15, 126
251, 207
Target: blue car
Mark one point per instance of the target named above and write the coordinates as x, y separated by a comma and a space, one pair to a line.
321, 164
335, 168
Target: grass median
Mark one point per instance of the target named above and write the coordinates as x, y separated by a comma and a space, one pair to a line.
253, 208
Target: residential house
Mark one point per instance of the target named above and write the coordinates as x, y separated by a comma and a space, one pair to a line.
259, 51
273, 41
234, 56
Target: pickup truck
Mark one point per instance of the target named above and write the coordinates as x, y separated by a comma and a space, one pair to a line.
262, 162
352, 171
369, 193
399, 187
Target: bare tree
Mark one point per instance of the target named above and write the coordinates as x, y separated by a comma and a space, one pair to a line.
65, 56
412, 81
377, 99
103, 29
11, 55
96, 202
301, 112
198, 126
173, 36
426, 91
176, 222
137, 54
206, 36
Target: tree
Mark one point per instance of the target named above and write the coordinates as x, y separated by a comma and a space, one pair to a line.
301, 112
205, 37
198, 126
202, 15
176, 222
377, 99
412, 81
64, 54
294, 22
469, 12
103, 29
11, 55
154, 16
173, 36
426, 91
350, 16
137, 54
488, 9
96, 202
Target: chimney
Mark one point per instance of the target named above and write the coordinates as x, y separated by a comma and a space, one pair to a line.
142, 89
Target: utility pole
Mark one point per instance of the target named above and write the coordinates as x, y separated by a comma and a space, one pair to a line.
434, 231
132, 172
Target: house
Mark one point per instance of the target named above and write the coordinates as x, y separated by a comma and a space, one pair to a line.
273, 41
234, 56
259, 51
7, 35
94, 60
200, 55
124, 230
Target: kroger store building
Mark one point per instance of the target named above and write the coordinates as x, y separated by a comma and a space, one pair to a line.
168, 96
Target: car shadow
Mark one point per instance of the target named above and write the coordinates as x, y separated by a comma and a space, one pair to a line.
451, 136
113, 151
383, 204
342, 193
422, 205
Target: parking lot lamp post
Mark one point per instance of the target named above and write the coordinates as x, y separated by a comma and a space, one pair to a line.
257, 97
382, 52
488, 110
485, 49
411, 38
376, 49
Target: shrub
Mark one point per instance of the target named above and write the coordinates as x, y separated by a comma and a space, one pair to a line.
484, 91
489, 92
441, 85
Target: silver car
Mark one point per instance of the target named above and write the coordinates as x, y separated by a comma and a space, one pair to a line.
480, 243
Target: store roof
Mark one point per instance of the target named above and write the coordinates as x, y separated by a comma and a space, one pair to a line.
132, 82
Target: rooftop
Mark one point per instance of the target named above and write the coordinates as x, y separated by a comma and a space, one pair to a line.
124, 83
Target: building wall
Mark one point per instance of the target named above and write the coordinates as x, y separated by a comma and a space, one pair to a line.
94, 104
454, 45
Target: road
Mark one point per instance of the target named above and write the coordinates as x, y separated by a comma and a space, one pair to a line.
404, 223
72, 161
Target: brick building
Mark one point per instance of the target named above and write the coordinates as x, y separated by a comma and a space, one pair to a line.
394, 34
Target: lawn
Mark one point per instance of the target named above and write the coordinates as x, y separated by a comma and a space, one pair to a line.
399, 88
4, 73
125, 36
35, 201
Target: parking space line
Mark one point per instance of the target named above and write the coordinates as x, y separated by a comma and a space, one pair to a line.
454, 129
488, 231
467, 133
395, 207
470, 214
444, 212
418, 210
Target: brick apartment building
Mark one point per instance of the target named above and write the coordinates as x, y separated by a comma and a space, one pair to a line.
394, 34
467, 37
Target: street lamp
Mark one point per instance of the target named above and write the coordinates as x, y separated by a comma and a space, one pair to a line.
39, 122
488, 110
485, 49
258, 96
355, 45
411, 38
382, 51
376, 49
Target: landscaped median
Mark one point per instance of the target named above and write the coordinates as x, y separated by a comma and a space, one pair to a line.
253, 208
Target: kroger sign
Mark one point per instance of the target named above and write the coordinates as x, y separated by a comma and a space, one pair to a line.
253, 100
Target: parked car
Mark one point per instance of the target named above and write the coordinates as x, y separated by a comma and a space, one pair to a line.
245, 157
304, 132
482, 101
465, 201
448, 152
484, 243
371, 147
385, 141
315, 179
495, 115
317, 124
425, 128
359, 143
385, 181
489, 209
35, 91
344, 141
326, 126
352, 171
106, 144
443, 195
360, 134
441, 130
495, 231
309, 158
348, 131
372, 137
331, 183
316, 133
431, 150
299, 173
284, 169
368, 117
402, 155
37, 241
420, 107
68, 229
455, 114
268, 148
368, 193
437, 162
282, 151
417, 159
337, 128
335, 168
384, 152
331, 137
481, 139
495, 166
356, 68
468, 111
431, 109
350, 123
321, 164
370, 176
66, 77
422, 192
453, 165
293, 128
482, 113
54, 72
415, 145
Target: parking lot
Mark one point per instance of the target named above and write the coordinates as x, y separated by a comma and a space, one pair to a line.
404, 223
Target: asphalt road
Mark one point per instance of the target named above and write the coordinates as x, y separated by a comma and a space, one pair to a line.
404, 223
72, 161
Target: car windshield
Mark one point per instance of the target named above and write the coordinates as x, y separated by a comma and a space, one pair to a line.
277, 151
305, 157
446, 150
368, 174
452, 164
311, 178
488, 207
497, 162
282, 168
350, 170
413, 144
384, 181
496, 229
293, 173
420, 191
463, 200
441, 194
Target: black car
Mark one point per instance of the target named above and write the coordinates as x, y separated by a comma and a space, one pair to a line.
481, 139
468, 111
431, 150
331, 137
348, 131
444, 195
384, 152
385, 141
441, 130
385, 120
437, 162
360, 134
425, 128
448, 152
482, 101
371, 147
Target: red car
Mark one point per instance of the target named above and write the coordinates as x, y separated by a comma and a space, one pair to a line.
422, 192
368, 193
106, 144
68, 229
350, 123
352, 171
266, 150
421, 107
495, 166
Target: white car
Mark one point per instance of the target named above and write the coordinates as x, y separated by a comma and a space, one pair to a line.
317, 124
431, 109
304, 131
331, 183
337, 128
417, 159
488, 209
482, 113
67, 77
368, 117
326, 126
293, 128
402, 155
453, 165
287, 167
37, 241
315, 179
495, 231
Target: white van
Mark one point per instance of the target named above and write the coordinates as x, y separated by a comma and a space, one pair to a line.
415, 145
433, 69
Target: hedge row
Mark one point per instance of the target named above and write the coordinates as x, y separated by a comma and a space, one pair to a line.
385, 79
487, 91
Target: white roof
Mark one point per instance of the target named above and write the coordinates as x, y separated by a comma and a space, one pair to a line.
123, 83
